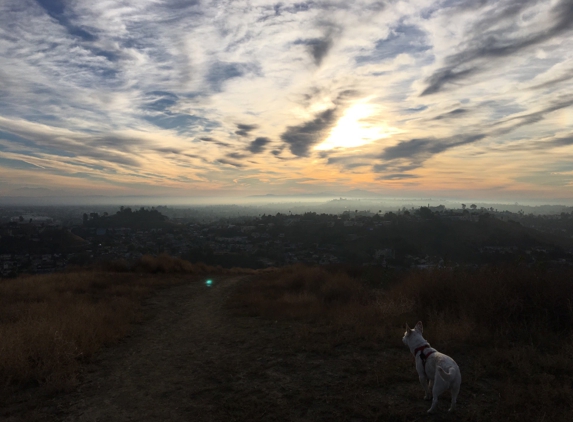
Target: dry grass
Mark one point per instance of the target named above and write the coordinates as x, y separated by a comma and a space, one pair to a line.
166, 264
509, 328
50, 324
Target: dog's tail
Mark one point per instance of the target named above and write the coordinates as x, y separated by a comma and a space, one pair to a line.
447, 376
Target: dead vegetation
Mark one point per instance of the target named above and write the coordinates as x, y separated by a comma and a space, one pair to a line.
50, 324
509, 328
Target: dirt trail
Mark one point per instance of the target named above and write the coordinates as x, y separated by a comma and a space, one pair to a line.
158, 372
193, 360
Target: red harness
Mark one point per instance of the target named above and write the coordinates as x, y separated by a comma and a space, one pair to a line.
423, 357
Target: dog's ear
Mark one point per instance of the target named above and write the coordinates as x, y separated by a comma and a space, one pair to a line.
419, 327
407, 327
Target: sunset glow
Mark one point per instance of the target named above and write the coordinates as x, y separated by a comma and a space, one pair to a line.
353, 130
240, 98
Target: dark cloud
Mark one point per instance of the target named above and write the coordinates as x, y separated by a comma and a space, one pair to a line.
497, 36
245, 130
236, 155
426, 147
258, 145
454, 113
301, 137
168, 150
320, 47
407, 149
444, 76
220, 72
60, 11
561, 142
410, 155
349, 162
398, 176
230, 163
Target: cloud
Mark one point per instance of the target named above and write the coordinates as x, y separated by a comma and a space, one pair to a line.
301, 138
402, 39
58, 10
496, 37
411, 154
220, 72
230, 163
236, 155
551, 83
156, 90
112, 149
258, 145
415, 148
450, 114
214, 141
318, 47
245, 130
533, 117
398, 176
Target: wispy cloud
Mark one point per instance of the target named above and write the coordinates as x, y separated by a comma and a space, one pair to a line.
195, 95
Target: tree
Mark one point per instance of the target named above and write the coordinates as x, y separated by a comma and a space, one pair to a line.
426, 212
473, 206
463, 206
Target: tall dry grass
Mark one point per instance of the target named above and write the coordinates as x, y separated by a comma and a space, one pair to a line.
497, 305
51, 324
510, 328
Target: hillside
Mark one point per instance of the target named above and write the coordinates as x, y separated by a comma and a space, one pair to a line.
296, 344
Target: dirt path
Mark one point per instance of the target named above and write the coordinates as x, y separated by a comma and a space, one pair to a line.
193, 360
165, 366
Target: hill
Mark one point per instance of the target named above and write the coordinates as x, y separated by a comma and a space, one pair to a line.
299, 343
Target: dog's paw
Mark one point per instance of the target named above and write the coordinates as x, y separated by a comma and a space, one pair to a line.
427, 397
430, 411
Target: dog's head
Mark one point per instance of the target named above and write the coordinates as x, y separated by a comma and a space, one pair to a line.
413, 336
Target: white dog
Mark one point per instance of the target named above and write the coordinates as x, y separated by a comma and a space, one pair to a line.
437, 372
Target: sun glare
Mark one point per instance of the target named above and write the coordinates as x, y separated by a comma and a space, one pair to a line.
353, 129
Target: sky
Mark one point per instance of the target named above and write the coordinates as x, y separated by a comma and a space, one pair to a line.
460, 99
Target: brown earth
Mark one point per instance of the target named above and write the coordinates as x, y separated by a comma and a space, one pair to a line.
194, 358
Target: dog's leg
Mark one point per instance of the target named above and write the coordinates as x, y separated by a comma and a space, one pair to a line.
439, 387
426, 387
455, 391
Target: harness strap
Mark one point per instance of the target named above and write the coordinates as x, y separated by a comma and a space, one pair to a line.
423, 357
